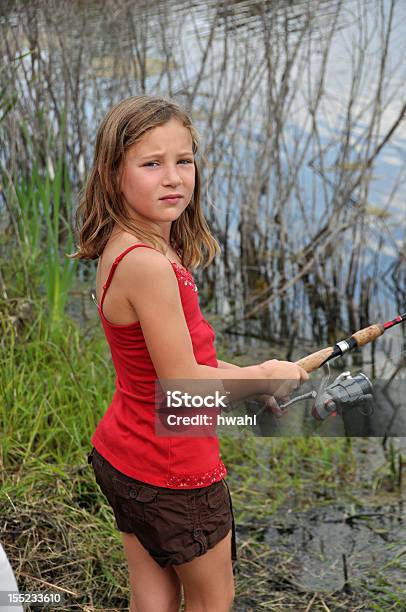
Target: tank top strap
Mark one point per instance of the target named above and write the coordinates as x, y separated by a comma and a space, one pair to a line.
115, 264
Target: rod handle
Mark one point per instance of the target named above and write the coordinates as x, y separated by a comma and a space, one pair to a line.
362, 337
314, 361
368, 334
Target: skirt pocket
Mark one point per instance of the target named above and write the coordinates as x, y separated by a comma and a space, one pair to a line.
136, 500
215, 502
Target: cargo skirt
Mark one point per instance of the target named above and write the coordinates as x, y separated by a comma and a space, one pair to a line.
173, 525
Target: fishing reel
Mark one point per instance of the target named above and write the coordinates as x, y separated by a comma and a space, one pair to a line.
345, 392
338, 397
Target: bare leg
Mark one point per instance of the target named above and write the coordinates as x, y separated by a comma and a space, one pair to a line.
208, 580
152, 587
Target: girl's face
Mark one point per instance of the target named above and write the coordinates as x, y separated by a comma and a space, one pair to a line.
160, 164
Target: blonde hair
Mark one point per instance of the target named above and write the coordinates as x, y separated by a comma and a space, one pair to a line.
101, 205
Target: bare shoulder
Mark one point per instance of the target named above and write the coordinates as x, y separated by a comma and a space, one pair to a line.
136, 265
118, 243
143, 277
143, 264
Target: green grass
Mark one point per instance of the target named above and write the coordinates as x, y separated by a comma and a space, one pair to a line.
54, 387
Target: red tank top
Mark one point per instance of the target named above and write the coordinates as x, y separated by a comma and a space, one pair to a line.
125, 435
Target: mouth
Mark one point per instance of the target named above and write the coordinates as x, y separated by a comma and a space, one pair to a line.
172, 200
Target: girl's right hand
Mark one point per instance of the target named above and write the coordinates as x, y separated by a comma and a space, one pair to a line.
282, 377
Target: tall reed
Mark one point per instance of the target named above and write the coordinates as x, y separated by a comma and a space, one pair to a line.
39, 202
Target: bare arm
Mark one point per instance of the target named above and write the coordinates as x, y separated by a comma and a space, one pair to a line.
226, 365
147, 280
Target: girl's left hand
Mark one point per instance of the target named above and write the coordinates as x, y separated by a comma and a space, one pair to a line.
271, 404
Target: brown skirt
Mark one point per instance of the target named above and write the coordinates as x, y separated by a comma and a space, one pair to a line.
173, 525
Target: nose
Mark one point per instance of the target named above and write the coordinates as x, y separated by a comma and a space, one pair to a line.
172, 176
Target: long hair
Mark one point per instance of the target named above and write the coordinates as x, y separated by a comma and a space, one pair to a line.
101, 204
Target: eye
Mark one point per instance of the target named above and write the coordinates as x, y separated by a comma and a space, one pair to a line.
189, 161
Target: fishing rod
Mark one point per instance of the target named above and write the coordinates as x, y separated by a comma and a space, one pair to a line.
360, 338
346, 391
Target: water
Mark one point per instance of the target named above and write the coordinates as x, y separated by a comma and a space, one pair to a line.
316, 540
367, 526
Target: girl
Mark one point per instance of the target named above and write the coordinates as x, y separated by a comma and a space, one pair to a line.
141, 216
